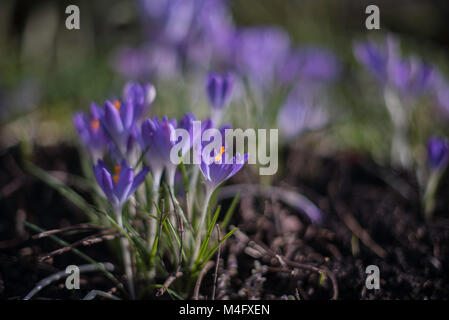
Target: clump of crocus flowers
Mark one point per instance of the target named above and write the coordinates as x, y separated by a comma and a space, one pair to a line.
131, 155
402, 80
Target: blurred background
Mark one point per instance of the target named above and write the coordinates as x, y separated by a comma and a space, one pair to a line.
49, 72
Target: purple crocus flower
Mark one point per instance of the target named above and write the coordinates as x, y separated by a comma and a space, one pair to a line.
301, 112
120, 184
223, 168
259, 53
219, 89
437, 152
310, 64
140, 96
408, 76
91, 132
119, 120
155, 60
156, 136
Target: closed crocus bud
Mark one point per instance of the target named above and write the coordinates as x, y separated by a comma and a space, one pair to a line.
219, 89
155, 136
140, 96
437, 152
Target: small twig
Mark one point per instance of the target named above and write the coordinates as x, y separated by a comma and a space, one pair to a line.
167, 283
70, 228
203, 272
357, 229
264, 250
62, 274
218, 262
93, 293
83, 242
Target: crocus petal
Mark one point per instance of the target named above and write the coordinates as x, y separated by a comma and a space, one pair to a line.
113, 119
126, 114
124, 184
107, 186
138, 180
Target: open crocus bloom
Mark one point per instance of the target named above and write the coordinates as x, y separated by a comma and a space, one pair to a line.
222, 168
119, 121
90, 131
120, 184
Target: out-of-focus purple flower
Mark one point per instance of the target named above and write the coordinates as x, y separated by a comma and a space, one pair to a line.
219, 90
91, 132
223, 168
157, 136
132, 63
373, 57
310, 64
437, 152
197, 32
301, 112
120, 184
140, 96
441, 92
409, 76
259, 53
119, 120
155, 60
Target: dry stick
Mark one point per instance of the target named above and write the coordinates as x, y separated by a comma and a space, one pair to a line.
327, 271
263, 249
168, 282
203, 272
83, 242
93, 293
357, 229
218, 261
62, 274
70, 228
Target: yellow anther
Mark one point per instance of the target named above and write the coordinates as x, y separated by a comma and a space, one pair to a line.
116, 176
218, 157
95, 124
117, 105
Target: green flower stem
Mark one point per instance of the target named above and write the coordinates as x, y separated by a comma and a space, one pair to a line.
152, 225
126, 255
429, 193
400, 148
200, 230
192, 187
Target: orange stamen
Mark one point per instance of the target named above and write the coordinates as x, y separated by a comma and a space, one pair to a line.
218, 157
117, 170
117, 105
95, 124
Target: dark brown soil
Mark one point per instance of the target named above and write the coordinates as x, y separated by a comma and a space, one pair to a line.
366, 222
